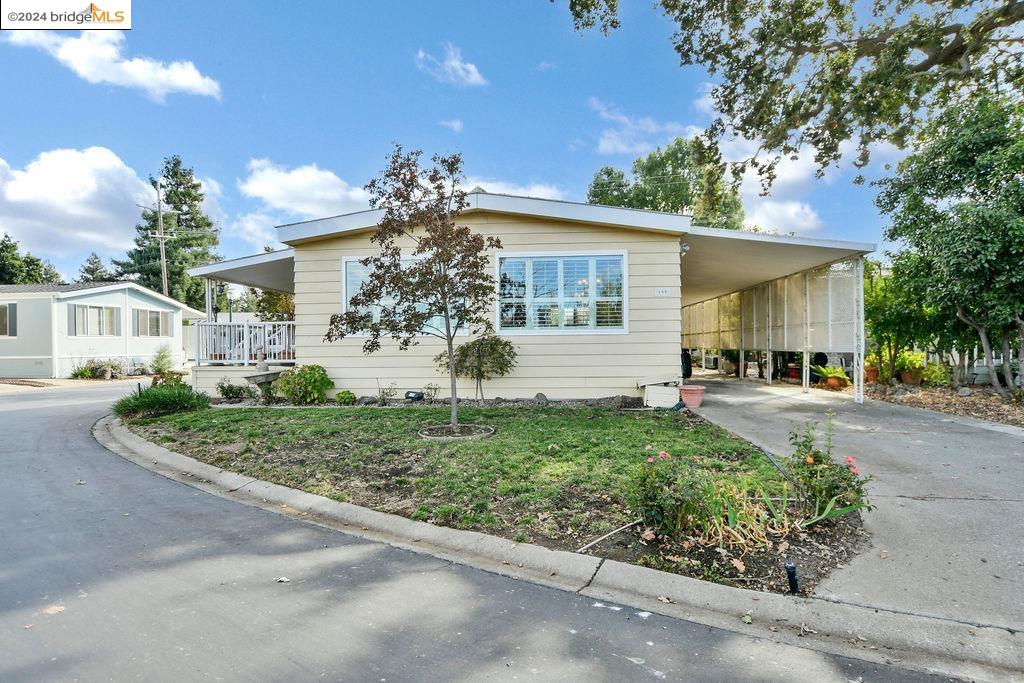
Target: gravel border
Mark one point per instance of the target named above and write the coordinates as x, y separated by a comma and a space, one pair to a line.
921, 642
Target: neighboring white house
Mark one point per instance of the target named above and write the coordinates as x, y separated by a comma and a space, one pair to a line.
49, 330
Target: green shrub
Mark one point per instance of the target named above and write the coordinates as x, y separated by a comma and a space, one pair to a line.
346, 398
162, 362
236, 392
82, 372
171, 377
305, 385
161, 400
824, 482
937, 375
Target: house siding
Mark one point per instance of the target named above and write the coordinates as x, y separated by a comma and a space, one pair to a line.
29, 354
125, 348
577, 365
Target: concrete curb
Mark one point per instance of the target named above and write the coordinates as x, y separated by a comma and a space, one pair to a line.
927, 643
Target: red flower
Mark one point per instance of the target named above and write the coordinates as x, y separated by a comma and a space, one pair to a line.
850, 460
854, 470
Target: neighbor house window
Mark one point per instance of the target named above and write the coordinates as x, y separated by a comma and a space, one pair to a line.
356, 274
148, 323
8, 320
561, 293
96, 321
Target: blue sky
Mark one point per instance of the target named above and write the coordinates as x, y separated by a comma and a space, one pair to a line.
286, 113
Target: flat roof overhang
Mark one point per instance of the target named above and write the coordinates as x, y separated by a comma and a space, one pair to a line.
273, 270
725, 261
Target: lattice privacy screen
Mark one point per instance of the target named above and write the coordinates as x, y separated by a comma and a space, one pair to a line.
822, 304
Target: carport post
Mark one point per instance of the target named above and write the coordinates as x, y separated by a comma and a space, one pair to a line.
806, 373
768, 334
858, 327
743, 353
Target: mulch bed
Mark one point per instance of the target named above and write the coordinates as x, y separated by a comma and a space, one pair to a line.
816, 553
983, 403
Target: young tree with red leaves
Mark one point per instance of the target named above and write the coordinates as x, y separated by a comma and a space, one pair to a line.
431, 277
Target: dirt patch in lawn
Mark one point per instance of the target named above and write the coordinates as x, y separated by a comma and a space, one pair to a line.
982, 403
554, 476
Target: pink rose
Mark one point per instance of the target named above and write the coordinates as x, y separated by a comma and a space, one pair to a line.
664, 454
650, 459
855, 471
850, 460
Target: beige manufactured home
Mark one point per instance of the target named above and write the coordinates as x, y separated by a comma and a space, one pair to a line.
594, 298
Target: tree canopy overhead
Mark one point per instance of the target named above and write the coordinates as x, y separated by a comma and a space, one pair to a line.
681, 178
818, 73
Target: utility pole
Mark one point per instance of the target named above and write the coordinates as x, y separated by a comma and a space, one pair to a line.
160, 236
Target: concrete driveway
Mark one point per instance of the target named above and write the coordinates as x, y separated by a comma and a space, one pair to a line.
947, 529
112, 572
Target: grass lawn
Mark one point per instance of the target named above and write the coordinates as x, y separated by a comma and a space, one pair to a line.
555, 476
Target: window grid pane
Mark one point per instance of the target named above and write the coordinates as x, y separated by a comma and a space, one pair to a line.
3, 320
549, 293
356, 274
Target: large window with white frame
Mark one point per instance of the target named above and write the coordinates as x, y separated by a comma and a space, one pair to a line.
152, 323
356, 274
562, 293
96, 321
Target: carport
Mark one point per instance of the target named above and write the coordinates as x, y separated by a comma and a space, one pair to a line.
754, 292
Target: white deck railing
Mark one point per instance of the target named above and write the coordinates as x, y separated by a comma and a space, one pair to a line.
240, 343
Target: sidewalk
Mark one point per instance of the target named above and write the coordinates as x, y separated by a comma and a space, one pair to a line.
947, 528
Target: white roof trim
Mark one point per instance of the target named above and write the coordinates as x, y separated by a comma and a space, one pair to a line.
242, 262
113, 287
639, 219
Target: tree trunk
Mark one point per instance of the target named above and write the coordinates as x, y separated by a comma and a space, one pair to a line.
454, 385
1007, 364
986, 346
961, 368
1020, 344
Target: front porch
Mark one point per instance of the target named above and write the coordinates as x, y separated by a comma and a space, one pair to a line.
230, 343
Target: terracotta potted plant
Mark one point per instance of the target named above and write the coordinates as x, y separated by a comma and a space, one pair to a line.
910, 366
834, 376
871, 373
692, 395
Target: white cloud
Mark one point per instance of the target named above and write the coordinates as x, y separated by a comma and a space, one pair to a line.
68, 201
783, 216
454, 124
546, 66
255, 228
633, 135
97, 57
306, 191
541, 190
452, 69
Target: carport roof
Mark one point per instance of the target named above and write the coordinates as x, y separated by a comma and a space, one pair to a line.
717, 261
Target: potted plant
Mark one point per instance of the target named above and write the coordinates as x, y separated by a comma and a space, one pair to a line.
872, 367
835, 376
910, 366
